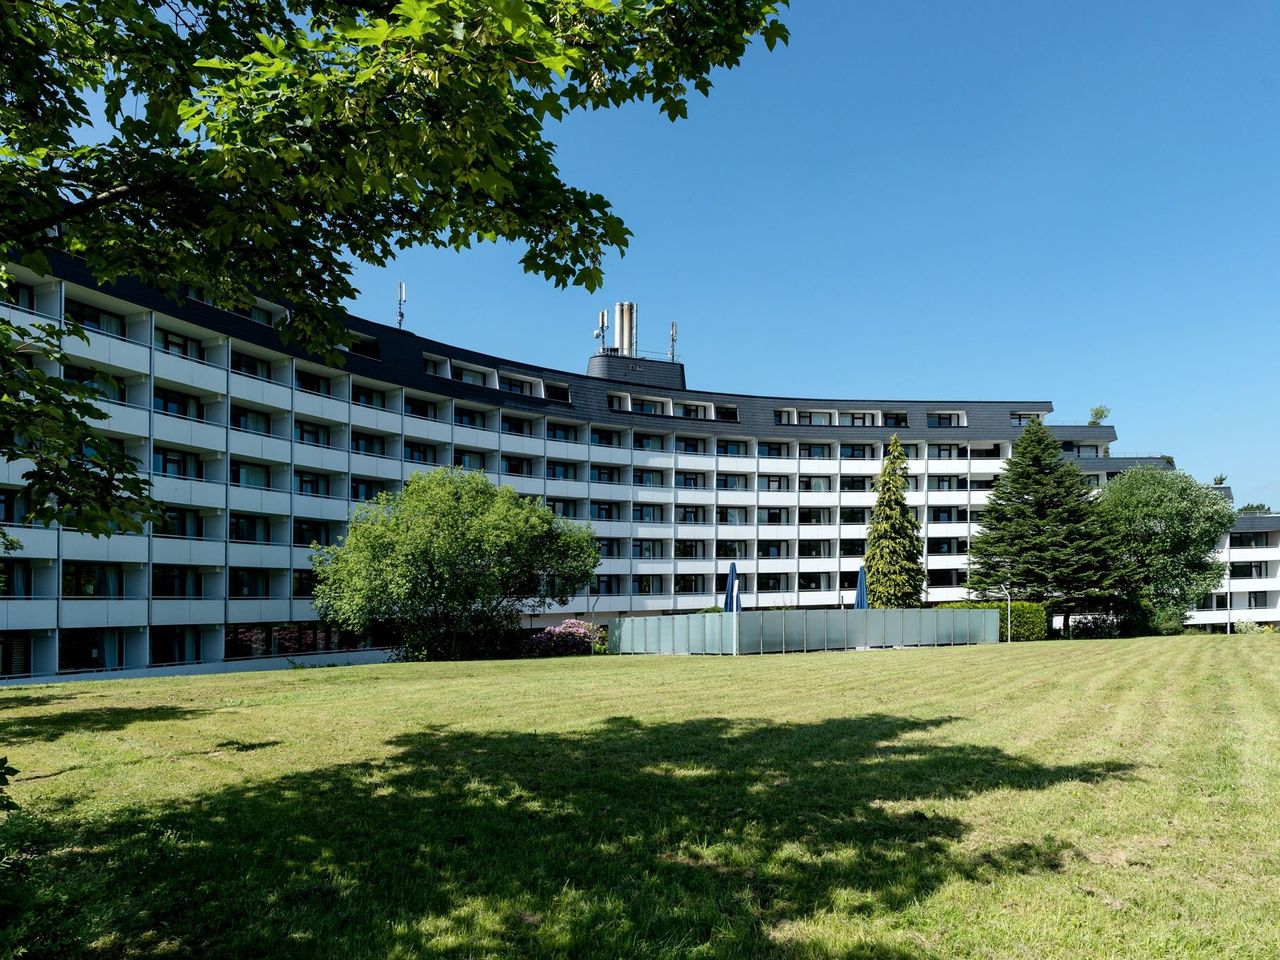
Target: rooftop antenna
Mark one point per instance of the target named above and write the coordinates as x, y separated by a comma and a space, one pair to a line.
601, 329
400, 298
672, 355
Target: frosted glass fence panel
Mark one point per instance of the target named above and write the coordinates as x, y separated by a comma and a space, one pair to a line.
802, 631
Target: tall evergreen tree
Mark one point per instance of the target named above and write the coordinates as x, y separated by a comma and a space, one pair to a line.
1043, 535
895, 554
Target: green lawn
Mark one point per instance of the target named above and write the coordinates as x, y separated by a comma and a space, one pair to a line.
1075, 800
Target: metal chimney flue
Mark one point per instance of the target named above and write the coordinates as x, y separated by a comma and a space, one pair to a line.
625, 336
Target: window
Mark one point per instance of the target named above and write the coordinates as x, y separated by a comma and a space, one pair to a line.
647, 441
311, 484
731, 550
1255, 538
248, 582
431, 365
813, 515
1248, 571
1022, 419
815, 484
948, 483
774, 482
517, 425
512, 385
249, 528
609, 546
473, 377
468, 459
646, 549
731, 516
731, 481
181, 522
948, 578
176, 582
895, 418
688, 514
304, 583
366, 396
861, 418
641, 405
605, 438
691, 445
772, 450
772, 582
948, 451
814, 451
252, 421
857, 451
317, 434
563, 432
646, 585
19, 295
855, 484
176, 343
911, 451
948, 514
605, 474
781, 417
362, 488
309, 382
110, 387
774, 516
416, 452
732, 448
177, 404
556, 391
855, 547
608, 585
249, 474
368, 443
563, 508
853, 514
943, 420
694, 411
727, 413
468, 418
605, 510
813, 418
420, 407
646, 513
517, 466
176, 463
771, 549
813, 548
689, 550
307, 532
559, 470
947, 546
99, 580
690, 480
813, 581
690, 583
94, 318
250, 366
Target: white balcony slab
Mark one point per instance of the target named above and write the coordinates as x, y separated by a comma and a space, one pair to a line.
309, 456
189, 493
268, 393
119, 549
184, 552
28, 614
258, 500
321, 508
521, 445
567, 450
187, 611
103, 613
271, 610
274, 555
178, 369
105, 351
600, 454
125, 420
259, 446
320, 407
188, 433
375, 418
383, 468
38, 543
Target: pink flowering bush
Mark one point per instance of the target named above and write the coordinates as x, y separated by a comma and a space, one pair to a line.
573, 638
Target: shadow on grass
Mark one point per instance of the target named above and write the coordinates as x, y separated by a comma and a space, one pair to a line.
705, 838
46, 727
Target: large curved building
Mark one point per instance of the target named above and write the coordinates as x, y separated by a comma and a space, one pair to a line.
259, 451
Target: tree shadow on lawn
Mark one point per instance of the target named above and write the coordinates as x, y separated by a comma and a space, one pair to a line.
704, 837
46, 727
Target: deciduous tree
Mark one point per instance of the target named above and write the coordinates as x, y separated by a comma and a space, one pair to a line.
448, 565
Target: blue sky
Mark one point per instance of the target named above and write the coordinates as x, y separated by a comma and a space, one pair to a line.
1077, 202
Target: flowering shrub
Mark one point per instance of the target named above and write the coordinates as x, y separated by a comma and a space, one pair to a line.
573, 638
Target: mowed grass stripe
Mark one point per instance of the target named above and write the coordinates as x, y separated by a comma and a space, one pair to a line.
1083, 799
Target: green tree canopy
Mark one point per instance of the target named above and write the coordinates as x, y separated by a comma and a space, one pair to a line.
1098, 415
260, 147
894, 560
1168, 526
447, 566
1043, 536
1254, 508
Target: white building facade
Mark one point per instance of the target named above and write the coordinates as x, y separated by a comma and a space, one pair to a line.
258, 451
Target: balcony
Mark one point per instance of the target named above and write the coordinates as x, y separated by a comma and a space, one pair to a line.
268, 393
175, 368
184, 491
320, 406
242, 553
28, 613
258, 610
260, 446
117, 549
170, 610
375, 418
201, 434
187, 552
96, 612
37, 542
258, 499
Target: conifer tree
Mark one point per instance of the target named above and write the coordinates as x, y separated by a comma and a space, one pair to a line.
895, 554
1043, 535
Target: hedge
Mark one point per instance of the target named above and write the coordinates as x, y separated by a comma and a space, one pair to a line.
1030, 620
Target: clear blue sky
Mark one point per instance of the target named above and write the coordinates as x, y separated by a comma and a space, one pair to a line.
1077, 202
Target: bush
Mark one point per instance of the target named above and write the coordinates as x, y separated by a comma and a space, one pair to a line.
1030, 620
573, 638
1245, 626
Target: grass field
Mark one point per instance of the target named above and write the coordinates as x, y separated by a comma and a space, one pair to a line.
1083, 800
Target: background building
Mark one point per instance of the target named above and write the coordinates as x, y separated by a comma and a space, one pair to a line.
259, 451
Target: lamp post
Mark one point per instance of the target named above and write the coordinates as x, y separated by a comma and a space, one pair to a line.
1008, 623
